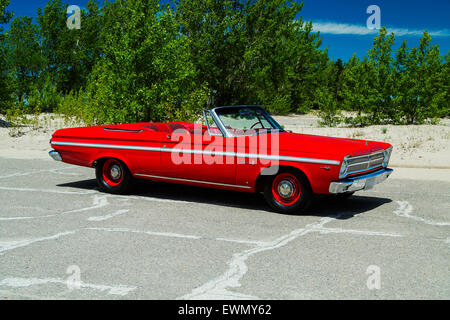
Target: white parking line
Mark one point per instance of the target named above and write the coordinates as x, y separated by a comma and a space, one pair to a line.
14, 244
324, 230
21, 174
218, 288
10, 245
108, 216
99, 201
177, 235
47, 190
14, 282
406, 209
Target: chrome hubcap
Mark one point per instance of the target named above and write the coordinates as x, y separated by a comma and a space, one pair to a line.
286, 188
115, 172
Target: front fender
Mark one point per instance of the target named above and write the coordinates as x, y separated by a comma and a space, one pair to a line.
318, 175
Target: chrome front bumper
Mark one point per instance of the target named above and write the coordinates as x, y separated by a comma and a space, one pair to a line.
363, 182
55, 155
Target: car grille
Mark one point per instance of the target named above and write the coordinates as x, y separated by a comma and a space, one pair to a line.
365, 162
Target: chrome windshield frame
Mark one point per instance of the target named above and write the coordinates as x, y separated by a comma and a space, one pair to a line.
225, 131
205, 116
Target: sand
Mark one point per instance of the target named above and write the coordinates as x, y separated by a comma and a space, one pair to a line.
420, 151
415, 146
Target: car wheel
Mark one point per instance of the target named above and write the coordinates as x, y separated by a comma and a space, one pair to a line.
288, 192
113, 176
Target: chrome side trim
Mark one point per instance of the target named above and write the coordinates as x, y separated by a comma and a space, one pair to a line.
205, 152
195, 181
104, 146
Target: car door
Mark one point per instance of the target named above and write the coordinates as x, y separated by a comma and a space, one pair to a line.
196, 155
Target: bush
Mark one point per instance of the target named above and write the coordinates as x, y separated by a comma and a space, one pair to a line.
20, 117
280, 104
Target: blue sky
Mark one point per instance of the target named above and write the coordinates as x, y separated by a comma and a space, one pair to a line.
407, 18
343, 23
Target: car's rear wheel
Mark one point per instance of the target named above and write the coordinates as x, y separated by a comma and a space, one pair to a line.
113, 176
288, 192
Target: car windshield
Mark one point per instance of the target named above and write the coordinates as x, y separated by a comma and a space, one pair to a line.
246, 120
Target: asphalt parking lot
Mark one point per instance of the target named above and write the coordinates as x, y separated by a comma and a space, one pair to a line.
170, 241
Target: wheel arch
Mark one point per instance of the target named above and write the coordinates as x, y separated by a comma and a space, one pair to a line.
265, 174
108, 155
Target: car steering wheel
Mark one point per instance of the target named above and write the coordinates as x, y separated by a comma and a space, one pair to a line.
253, 125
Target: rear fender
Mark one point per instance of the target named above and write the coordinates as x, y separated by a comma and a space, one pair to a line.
110, 154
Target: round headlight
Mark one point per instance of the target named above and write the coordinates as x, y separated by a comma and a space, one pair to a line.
387, 156
344, 167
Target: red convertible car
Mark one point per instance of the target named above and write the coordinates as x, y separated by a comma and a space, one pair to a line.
239, 148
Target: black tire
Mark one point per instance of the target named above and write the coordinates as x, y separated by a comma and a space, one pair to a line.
105, 180
295, 204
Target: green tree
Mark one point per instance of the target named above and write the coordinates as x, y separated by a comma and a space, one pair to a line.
445, 74
57, 47
70, 53
5, 87
250, 51
214, 29
421, 82
89, 42
24, 58
309, 66
357, 91
380, 55
326, 95
145, 72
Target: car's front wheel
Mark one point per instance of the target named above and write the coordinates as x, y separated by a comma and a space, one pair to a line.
288, 192
113, 176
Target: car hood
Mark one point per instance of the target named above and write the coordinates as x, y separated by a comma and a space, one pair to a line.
329, 146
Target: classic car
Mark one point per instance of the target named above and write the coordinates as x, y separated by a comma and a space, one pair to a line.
239, 148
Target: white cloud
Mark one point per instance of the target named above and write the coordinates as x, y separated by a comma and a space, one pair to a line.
346, 28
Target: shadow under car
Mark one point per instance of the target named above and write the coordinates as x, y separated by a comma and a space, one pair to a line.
321, 206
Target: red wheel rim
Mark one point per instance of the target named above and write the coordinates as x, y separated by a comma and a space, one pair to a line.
286, 189
112, 172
